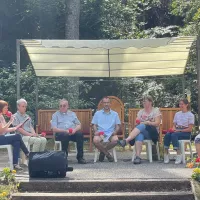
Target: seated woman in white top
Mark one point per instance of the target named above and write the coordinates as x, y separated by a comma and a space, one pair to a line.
182, 128
149, 120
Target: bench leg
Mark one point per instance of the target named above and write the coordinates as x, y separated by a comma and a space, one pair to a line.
90, 145
114, 154
10, 156
134, 152
158, 150
149, 150
95, 155
182, 144
190, 146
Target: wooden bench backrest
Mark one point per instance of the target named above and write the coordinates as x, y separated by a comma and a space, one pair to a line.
167, 117
116, 105
132, 115
84, 116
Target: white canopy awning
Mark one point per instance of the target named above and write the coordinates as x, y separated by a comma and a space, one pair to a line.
109, 58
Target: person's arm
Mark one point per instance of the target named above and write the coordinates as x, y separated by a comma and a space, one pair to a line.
117, 128
7, 125
174, 126
25, 133
58, 130
139, 114
155, 123
77, 128
175, 122
77, 124
189, 129
117, 125
5, 128
95, 124
95, 130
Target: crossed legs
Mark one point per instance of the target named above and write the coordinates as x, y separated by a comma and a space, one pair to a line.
105, 147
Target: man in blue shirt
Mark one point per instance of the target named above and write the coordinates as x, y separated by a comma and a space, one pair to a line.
106, 122
66, 127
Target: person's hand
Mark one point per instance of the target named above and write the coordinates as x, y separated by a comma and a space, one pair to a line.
12, 118
146, 122
67, 131
19, 126
177, 130
114, 133
35, 135
96, 133
73, 131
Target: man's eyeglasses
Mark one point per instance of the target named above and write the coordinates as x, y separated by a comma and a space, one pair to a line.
63, 106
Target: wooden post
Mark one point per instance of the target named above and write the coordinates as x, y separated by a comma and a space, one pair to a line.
18, 67
198, 76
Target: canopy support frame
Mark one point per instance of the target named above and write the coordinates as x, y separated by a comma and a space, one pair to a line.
198, 76
109, 62
18, 67
36, 100
183, 85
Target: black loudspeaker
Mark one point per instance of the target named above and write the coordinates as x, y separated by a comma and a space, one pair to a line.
50, 164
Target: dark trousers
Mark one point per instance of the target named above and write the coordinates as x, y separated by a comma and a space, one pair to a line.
16, 142
65, 138
174, 138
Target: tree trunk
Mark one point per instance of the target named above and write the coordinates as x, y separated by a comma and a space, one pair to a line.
72, 19
72, 8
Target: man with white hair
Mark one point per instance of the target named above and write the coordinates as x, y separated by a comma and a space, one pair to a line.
27, 131
66, 127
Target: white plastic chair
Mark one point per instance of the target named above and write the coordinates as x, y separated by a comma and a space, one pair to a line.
23, 159
148, 144
58, 146
10, 154
182, 148
113, 153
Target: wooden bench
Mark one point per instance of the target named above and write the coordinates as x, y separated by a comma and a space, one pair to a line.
84, 116
118, 106
167, 119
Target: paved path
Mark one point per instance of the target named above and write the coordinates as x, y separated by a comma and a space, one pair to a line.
123, 169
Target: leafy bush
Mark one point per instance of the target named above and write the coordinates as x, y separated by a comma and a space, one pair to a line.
8, 183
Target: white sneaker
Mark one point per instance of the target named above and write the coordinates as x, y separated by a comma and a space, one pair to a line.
166, 158
178, 159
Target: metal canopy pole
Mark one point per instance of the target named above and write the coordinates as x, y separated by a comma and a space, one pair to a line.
198, 76
36, 101
18, 67
109, 62
183, 85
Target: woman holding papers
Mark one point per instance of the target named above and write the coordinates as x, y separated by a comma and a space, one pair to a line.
13, 139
